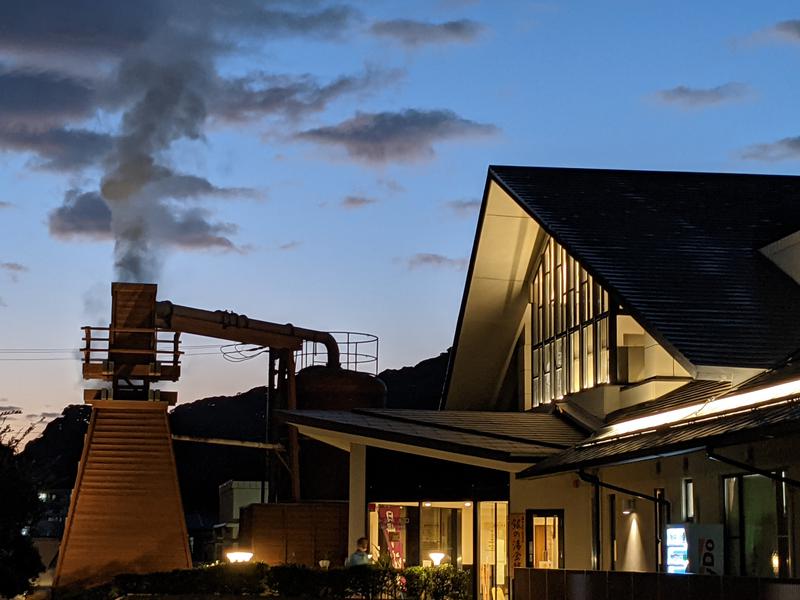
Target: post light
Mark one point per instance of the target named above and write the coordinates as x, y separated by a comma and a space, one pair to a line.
630, 507
239, 556
437, 557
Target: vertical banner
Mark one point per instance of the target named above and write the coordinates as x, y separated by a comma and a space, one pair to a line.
516, 557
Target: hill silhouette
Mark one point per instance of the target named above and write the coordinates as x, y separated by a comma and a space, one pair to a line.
53, 457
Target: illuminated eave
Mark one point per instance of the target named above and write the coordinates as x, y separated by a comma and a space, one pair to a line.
728, 404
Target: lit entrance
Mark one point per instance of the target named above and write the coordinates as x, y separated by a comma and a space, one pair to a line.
544, 534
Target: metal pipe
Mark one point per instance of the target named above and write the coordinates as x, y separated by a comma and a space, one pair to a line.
166, 311
751, 469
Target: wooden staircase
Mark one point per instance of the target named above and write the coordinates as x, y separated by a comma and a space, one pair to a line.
125, 514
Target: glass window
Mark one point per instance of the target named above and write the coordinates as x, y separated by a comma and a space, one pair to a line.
422, 533
756, 529
571, 327
492, 540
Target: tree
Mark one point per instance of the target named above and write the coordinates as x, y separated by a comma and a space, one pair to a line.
19, 559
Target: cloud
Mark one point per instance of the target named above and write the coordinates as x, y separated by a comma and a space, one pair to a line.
13, 269
3, 303
115, 87
404, 136
4, 204
785, 149
81, 215
262, 94
36, 98
689, 97
425, 259
9, 408
353, 202
788, 30
58, 149
86, 215
43, 416
391, 185
463, 208
411, 33
293, 245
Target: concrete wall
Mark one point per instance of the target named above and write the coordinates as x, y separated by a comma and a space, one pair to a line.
565, 492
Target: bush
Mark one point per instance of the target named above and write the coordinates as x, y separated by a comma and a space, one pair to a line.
290, 582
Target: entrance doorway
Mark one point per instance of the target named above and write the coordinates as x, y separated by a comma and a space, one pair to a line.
544, 534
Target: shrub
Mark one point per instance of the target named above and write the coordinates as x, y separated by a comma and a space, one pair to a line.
290, 582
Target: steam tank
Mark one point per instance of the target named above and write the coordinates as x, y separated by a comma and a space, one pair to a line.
324, 470
321, 387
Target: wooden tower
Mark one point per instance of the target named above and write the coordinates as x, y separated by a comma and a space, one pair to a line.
125, 513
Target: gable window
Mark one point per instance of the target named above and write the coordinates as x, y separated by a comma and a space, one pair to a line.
570, 322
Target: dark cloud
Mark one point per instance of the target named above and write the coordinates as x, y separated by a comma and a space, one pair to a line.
407, 135
293, 96
785, 149
82, 215
689, 97
352, 202
789, 30
463, 208
113, 28
35, 98
425, 259
58, 149
13, 269
413, 33
293, 245
42, 416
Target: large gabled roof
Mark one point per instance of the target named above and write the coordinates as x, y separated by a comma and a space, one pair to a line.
680, 250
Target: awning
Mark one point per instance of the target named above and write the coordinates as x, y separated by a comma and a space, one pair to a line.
765, 421
504, 441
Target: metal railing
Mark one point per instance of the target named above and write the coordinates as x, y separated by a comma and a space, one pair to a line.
358, 352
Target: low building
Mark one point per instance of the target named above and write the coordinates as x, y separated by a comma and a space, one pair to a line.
624, 383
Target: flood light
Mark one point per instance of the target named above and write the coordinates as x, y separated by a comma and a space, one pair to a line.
630, 507
239, 556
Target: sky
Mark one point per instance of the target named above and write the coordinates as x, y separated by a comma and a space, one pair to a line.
322, 163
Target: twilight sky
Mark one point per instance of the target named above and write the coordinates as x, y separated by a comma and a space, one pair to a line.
322, 163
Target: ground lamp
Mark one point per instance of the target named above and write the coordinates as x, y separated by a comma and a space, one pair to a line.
437, 557
239, 556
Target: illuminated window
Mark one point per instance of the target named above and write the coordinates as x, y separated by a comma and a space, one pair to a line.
570, 320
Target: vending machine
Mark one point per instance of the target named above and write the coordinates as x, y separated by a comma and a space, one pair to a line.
694, 548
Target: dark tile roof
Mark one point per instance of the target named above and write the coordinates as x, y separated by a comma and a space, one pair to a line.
762, 422
508, 437
681, 252
690, 393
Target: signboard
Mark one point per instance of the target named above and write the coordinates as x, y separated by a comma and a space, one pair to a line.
516, 522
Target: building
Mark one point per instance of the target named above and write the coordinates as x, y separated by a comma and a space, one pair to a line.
626, 358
